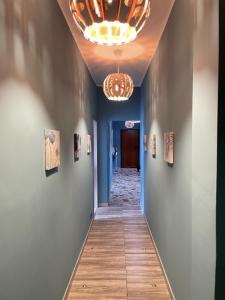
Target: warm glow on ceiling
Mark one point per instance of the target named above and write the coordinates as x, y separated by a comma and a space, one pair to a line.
110, 22
136, 55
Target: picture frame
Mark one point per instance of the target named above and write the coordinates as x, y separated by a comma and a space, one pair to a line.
145, 142
169, 138
153, 145
52, 149
89, 144
77, 146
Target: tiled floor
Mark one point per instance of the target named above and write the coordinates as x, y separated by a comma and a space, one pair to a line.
119, 261
126, 188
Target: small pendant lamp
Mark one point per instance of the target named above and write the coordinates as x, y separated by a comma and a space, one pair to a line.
118, 86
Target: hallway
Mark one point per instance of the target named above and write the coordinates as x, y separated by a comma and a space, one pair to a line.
90, 92
126, 188
119, 260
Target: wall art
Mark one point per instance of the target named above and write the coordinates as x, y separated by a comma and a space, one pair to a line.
77, 146
52, 149
153, 145
89, 146
169, 147
145, 142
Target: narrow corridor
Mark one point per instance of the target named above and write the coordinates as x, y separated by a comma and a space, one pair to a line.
112, 121
119, 260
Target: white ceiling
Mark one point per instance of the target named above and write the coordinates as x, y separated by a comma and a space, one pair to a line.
136, 56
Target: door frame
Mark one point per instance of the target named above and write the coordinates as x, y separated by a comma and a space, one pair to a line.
95, 164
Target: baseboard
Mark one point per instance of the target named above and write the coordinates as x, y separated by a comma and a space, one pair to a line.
76, 264
103, 205
164, 271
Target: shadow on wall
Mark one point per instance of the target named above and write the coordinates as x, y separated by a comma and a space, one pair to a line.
28, 55
51, 172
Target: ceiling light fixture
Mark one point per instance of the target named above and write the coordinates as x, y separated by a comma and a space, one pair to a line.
110, 22
130, 124
118, 86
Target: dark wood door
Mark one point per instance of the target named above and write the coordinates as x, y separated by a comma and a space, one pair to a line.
130, 144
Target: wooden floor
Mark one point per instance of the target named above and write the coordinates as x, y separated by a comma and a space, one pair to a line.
119, 260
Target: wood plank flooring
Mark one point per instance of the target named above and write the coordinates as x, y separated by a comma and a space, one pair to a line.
119, 261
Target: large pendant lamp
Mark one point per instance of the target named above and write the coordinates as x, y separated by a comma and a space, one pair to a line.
110, 22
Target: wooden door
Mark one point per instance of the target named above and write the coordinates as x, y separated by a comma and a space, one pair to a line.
130, 144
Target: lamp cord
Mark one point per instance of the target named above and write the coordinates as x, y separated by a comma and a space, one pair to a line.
118, 67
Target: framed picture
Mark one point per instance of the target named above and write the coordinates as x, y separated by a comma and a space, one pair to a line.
77, 146
52, 149
153, 145
145, 142
169, 147
89, 146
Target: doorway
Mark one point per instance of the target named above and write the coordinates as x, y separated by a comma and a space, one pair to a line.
126, 180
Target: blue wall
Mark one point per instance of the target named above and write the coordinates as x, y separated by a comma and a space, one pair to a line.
107, 112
